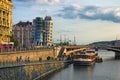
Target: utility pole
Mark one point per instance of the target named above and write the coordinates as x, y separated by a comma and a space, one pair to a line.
28, 39
60, 38
22, 37
64, 37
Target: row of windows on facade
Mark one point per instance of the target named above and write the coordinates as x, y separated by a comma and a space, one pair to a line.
4, 24
49, 23
22, 35
5, 7
41, 27
25, 29
25, 39
46, 37
5, 0
4, 32
49, 39
4, 16
40, 31
4, 28
46, 23
3, 20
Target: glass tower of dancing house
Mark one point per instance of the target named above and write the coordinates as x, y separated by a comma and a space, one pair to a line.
42, 31
37, 36
5, 20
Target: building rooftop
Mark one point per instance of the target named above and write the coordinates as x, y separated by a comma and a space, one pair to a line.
48, 18
39, 18
23, 23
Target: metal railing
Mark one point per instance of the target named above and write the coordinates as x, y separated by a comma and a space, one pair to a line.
4, 50
21, 63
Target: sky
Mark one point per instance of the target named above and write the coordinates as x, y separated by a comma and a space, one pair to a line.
88, 20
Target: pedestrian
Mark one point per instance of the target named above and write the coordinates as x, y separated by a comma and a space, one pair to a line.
20, 59
17, 59
28, 59
48, 58
40, 59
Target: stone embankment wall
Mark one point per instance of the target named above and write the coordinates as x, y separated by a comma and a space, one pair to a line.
33, 55
32, 71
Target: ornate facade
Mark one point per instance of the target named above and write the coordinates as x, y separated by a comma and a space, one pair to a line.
5, 20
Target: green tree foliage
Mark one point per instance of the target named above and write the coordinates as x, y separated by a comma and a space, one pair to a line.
64, 43
12, 39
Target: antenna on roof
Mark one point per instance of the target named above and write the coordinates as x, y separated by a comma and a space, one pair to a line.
116, 38
74, 40
60, 38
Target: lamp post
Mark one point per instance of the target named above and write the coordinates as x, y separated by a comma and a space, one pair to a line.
22, 37
28, 44
8, 46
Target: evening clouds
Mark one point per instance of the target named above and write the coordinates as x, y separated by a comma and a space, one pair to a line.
91, 13
73, 10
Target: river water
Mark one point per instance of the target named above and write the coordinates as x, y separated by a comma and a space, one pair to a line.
109, 69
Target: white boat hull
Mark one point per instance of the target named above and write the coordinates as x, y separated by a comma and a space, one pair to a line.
84, 63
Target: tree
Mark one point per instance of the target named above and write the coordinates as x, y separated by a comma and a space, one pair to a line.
12, 39
64, 43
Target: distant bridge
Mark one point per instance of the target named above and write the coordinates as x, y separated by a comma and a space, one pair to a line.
115, 49
67, 50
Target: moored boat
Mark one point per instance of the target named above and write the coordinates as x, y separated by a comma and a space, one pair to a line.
99, 59
84, 58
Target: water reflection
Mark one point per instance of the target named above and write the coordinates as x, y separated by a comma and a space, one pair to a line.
83, 72
108, 70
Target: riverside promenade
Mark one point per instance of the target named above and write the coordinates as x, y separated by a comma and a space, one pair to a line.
33, 54
29, 64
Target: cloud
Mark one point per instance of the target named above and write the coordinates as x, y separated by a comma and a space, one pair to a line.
91, 13
22, 0
69, 12
48, 2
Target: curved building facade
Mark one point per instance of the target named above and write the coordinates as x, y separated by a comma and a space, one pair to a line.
48, 26
37, 35
42, 31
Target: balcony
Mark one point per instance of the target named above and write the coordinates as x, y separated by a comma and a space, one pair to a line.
0, 34
7, 35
